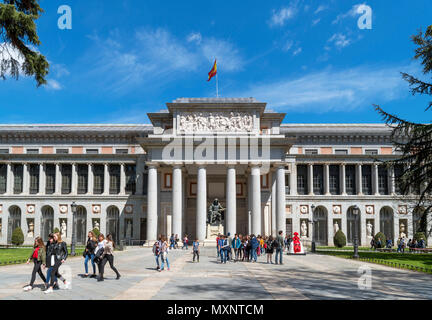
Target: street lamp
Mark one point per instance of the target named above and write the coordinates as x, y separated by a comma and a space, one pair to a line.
74, 209
313, 228
356, 212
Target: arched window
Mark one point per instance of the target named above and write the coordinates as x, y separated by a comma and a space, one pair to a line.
81, 225
352, 221
47, 222
386, 222
320, 225
112, 222
14, 220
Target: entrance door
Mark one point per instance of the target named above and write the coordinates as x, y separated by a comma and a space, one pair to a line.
112, 224
320, 227
143, 229
47, 222
81, 225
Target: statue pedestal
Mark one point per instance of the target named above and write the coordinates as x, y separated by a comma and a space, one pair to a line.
213, 231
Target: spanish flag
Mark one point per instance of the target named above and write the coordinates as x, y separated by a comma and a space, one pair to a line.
213, 71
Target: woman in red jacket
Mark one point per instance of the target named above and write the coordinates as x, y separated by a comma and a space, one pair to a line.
39, 259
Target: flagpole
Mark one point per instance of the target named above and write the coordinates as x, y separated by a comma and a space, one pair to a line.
217, 89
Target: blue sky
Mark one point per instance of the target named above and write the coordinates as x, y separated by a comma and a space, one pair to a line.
308, 58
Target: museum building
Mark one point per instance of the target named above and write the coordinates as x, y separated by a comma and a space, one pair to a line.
140, 181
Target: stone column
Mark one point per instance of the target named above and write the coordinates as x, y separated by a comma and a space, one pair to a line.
152, 204
326, 179
391, 181
273, 204
256, 200
310, 179
359, 179
122, 179
74, 182
231, 199
26, 179
106, 179
10, 181
42, 178
90, 181
249, 213
201, 211
342, 179
280, 207
293, 180
375, 187
57, 179
177, 200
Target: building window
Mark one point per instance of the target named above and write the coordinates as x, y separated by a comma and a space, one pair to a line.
92, 151
318, 186
32, 151
114, 172
130, 178
98, 175
302, 185
398, 172
3, 178
34, 178
350, 179
18, 178
66, 172
311, 151
334, 179
168, 180
62, 151
371, 151
367, 179
4, 151
383, 180
82, 178
50, 173
265, 181
341, 151
122, 151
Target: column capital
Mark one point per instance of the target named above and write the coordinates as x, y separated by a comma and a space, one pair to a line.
177, 165
151, 164
277, 165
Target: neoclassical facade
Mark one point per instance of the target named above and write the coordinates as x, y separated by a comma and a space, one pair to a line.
139, 181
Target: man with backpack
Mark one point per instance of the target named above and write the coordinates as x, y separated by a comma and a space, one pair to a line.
157, 251
279, 246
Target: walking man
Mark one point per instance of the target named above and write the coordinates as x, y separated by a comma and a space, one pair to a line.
279, 243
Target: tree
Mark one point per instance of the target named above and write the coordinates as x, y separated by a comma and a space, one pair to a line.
19, 39
339, 239
414, 140
17, 237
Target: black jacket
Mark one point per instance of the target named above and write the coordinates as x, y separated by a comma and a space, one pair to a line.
91, 246
49, 253
60, 251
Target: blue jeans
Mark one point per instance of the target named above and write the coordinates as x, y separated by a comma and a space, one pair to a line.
48, 277
280, 253
157, 261
223, 255
163, 262
218, 252
254, 254
87, 258
185, 245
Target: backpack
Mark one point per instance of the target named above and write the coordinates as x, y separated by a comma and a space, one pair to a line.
276, 244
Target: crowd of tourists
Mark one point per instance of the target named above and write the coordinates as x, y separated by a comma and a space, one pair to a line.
53, 254
402, 244
249, 247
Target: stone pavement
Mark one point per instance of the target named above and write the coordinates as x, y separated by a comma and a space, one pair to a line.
300, 277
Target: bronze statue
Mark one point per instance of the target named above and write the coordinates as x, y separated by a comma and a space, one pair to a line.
215, 212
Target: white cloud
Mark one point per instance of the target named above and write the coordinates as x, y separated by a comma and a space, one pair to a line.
297, 51
316, 21
331, 90
339, 40
194, 37
350, 13
53, 85
320, 8
126, 63
288, 45
279, 17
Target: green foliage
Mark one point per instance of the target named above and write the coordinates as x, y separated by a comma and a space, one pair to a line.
17, 237
339, 239
96, 232
414, 140
19, 39
380, 236
56, 230
419, 235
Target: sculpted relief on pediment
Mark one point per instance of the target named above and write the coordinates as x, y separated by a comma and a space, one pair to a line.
191, 122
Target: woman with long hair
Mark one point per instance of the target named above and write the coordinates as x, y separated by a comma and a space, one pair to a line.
60, 254
164, 254
270, 249
39, 261
108, 256
89, 253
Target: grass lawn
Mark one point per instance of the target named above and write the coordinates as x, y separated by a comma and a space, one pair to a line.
344, 248
403, 260
17, 254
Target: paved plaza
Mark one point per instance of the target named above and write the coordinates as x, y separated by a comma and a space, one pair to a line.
300, 277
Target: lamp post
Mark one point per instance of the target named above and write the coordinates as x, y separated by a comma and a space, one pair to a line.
313, 228
73, 208
356, 212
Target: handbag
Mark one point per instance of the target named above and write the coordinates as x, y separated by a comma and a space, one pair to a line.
84, 253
